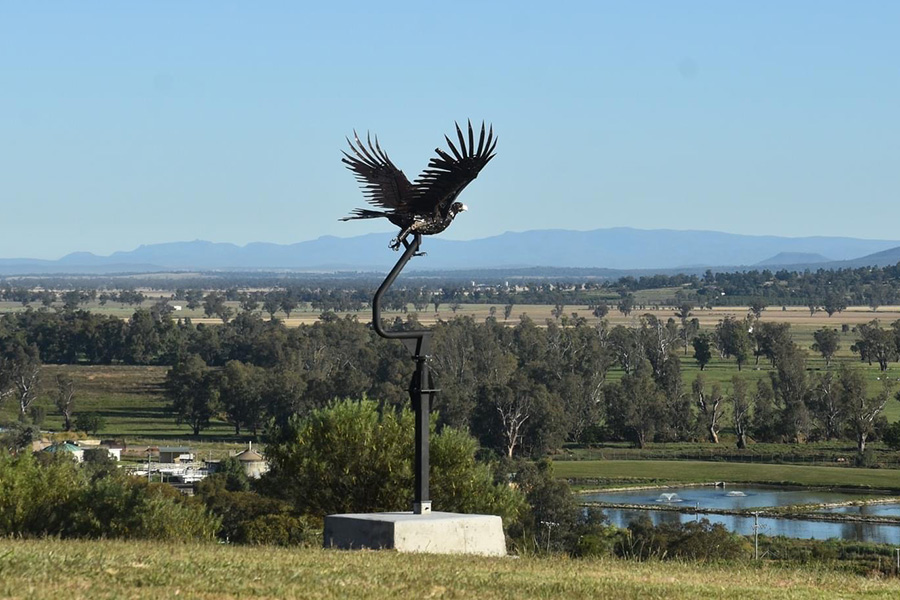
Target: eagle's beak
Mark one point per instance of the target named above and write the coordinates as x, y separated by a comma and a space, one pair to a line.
464, 208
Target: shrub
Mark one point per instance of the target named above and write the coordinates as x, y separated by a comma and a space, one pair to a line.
891, 435
53, 495
281, 530
599, 541
460, 484
16, 436
90, 423
236, 509
36, 494
232, 473
169, 519
350, 457
127, 507
693, 540
552, 520
866, 459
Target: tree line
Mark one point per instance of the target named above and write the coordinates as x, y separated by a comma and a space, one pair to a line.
830, 290
522, 390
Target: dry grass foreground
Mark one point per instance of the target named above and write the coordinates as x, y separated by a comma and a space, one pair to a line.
111, 569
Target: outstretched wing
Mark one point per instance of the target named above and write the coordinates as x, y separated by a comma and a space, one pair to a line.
383, 184
446, 176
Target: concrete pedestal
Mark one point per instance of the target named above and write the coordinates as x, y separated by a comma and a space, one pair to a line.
436, 532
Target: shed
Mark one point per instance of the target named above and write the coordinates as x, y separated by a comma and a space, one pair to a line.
175, 454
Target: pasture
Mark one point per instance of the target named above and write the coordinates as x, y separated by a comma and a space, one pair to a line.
105, 569
664, 472
132, 403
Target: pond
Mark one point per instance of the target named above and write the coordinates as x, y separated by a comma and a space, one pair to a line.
879, 533
732, 497
749, 497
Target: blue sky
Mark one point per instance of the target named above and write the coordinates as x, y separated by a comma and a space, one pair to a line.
125, 123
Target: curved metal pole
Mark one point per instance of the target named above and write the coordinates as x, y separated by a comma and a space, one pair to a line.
420, 388
411, 250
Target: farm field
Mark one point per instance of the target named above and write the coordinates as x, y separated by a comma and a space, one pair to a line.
658, 471
796, 315
131, 401
97, 570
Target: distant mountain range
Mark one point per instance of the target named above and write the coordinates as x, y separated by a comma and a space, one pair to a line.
793, 258
618, 248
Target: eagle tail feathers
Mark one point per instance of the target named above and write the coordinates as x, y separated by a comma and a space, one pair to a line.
364, 213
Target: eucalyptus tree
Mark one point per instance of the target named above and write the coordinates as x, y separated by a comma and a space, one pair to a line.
740, 410
826, 404
710, 407
862, 411
634, 406
703, 345
191, 388
827, 343
876, 344
64, 399
732, 338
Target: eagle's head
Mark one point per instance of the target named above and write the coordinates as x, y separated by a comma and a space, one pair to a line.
458, 207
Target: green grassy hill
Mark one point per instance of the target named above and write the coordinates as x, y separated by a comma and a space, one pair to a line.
97, 570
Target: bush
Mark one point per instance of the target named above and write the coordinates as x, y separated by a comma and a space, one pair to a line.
238, 509
127, 507
16, 436
169, 519
281, 530
460, 484
36, 494
701, 540
233, 475
891, 435
53, 495
600, 541
90, 423
349, 457
552, 520
866, 459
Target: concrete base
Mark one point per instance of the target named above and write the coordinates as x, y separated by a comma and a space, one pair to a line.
436, 532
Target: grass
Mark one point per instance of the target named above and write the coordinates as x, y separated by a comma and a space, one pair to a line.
828, 454
659, 471
51, 569
130, 398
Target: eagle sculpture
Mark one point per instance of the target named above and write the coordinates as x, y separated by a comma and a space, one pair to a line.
429, 205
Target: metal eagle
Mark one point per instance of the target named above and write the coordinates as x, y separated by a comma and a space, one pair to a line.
429, 205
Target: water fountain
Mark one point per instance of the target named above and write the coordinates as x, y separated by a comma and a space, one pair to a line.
668, 497
736, 494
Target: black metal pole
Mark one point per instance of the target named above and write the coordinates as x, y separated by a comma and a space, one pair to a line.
420, 388
421, 399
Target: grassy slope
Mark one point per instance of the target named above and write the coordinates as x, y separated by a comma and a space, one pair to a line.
702, 472
97, 570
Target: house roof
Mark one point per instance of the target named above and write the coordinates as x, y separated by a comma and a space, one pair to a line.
249, 456
179, 449
64, 447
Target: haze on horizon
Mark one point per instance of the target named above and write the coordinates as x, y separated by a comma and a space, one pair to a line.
125, 125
